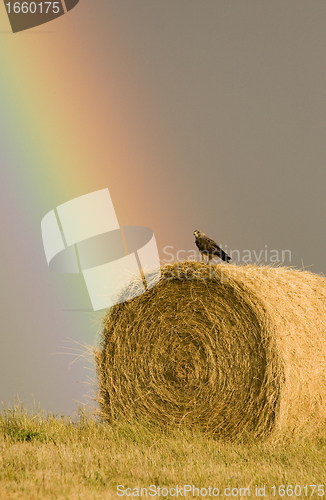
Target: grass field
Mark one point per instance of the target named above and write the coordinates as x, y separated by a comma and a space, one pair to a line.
51, 457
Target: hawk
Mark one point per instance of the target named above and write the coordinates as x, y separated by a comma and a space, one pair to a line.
209, 247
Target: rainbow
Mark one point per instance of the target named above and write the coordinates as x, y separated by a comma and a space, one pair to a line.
67, 128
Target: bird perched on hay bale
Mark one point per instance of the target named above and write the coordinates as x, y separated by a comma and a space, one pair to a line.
208, 247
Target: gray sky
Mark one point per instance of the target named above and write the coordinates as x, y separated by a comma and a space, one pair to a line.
233, 98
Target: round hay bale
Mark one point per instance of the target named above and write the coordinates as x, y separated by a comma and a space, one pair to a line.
233, 350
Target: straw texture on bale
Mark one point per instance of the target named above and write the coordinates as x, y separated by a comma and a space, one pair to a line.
232, 350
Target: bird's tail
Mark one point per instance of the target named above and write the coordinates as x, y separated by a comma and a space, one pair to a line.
224, 256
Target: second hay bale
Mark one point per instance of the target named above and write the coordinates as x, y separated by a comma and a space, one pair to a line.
233, 350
